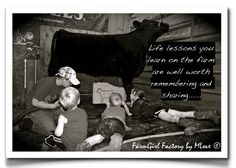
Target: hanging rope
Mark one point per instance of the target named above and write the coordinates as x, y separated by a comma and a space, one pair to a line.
161, 20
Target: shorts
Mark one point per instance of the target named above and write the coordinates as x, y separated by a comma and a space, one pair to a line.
110, 126
159, 109
151, 110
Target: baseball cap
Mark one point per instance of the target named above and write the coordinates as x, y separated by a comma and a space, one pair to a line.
68, 73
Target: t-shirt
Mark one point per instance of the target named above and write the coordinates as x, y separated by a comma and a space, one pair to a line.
75, 130
114, 112
44, 90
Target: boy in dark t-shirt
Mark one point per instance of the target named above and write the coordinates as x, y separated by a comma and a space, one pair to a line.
44, 96
71, 124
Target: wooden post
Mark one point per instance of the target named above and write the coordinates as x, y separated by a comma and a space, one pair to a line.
118, 23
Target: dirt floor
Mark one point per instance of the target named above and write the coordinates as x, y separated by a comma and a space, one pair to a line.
31, 141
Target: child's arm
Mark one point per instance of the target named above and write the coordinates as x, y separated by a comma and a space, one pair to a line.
53, 140
60, 126
45, 105
126, 108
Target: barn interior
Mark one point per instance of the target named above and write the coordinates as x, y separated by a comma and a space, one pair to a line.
36, 31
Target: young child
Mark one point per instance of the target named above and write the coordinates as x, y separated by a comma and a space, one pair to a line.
112, 126
72, 123
141, 108
44, 96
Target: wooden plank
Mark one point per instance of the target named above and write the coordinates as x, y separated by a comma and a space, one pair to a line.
30, 75
218, 55
217, 77
217, 72
180, 25
38, 70
211, 37
142, 16
217, 85
218, 46
48, 40
118, 23
42, 50
18, 75
177, 19
217, 67
176, 35
204, 29
211, 92
218, 61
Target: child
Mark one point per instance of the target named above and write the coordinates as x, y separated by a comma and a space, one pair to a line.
112, 126
141, 108
44, 96
72, 122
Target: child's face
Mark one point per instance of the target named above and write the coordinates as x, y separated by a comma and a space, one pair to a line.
116, 100
66, 83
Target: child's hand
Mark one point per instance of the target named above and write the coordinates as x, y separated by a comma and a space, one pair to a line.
128, 128
129, 114
128, 103
131, 103
56, 104
123, 103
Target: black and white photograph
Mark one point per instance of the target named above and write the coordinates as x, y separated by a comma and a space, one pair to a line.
114, 83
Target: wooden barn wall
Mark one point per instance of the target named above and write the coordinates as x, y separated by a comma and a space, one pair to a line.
185, 28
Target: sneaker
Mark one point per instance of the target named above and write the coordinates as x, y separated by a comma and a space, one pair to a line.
192, 129
84, 146
208, 115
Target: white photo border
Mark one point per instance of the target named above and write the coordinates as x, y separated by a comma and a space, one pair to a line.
112, 9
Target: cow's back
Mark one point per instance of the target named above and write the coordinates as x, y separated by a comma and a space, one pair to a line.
93, 54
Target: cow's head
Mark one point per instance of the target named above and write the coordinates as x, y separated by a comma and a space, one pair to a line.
157, 27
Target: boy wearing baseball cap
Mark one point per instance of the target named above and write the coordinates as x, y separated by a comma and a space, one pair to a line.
69, 74
44, 96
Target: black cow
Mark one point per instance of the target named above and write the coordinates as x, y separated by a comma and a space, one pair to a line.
121, 55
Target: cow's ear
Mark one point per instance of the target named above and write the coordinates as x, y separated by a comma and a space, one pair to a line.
137, 24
